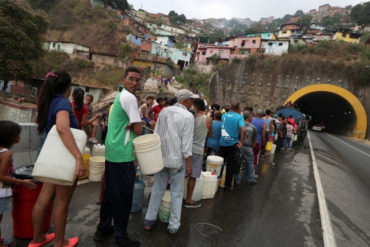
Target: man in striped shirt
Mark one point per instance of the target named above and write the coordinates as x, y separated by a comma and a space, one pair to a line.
175, 127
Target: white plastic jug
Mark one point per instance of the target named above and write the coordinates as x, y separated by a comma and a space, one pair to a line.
148, 153
165, 207
214, 164
98, 150
96, 168
198, 189
210, 185
55, 163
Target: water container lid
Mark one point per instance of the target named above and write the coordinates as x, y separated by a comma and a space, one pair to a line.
24, 172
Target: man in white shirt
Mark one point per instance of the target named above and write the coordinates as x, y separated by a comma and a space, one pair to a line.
175, 127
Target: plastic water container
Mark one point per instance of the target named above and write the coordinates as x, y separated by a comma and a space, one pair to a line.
87, 150
165, 207
214, 164
273, 149
210, 185
148, 153
138, 196
222, 179
23, 202
268, 146
98, 150
86, 158
198, 189
96, 169
55, 163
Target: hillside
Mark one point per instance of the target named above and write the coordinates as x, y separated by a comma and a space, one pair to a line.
78, 21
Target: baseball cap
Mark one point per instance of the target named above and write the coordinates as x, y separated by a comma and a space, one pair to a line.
184, 94
260, 112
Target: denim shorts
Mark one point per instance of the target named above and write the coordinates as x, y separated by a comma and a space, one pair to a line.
5, 204
196, 165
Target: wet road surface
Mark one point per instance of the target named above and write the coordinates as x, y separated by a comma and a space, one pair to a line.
344, 167
281, 210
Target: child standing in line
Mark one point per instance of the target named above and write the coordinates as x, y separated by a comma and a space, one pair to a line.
9, 135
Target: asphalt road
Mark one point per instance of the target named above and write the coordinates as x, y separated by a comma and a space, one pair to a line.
281, 210
344, 167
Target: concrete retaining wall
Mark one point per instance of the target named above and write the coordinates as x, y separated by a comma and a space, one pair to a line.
24, 153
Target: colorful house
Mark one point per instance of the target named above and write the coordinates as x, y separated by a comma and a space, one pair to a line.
264, 36
67, 47
205, 52
245, 45
135, 39
290, 26
285, 34
297, 42
273, 47
146, 46
166, 40
347, 36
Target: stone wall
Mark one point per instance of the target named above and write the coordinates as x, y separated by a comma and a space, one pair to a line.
269, 86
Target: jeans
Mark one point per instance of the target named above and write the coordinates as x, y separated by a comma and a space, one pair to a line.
248, 155
231, 161
176, 177
117, 199
287, 142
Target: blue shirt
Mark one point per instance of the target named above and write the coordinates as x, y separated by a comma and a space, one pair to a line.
258, 122
230, 131
214, 141
59, 103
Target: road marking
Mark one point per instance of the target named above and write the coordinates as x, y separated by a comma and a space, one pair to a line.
351, 146
328, 236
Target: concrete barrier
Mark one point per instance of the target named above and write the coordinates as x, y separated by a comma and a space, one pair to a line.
25, 152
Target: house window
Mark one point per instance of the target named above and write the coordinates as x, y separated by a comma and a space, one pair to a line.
243, 43
53, 45
284, 32
270, 43
203, 53
253, 41
280, 44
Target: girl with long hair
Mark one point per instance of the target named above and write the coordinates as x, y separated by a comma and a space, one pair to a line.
54, 108
80, 110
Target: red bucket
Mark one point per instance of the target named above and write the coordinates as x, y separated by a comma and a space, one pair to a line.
23, 201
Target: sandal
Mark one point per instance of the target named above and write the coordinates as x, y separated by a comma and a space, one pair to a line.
48, 238
72, 242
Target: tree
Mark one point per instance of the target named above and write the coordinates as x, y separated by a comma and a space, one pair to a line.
361, 14
21, 28
305, 21
176, 18
299, 13
117, 4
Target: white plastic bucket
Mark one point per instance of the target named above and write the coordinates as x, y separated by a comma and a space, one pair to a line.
97, 167
273, 148
198, 189
148, 153
214, 164
165, 207
55, 163
210, 185
98, 150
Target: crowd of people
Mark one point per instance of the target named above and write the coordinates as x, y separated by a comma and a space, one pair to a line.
189, 131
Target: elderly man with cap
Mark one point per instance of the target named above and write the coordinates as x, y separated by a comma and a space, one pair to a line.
175, 127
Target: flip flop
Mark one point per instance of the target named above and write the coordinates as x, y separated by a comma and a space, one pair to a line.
48, 238
72, 242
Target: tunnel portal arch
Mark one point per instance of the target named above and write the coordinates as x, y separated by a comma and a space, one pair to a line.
360, 126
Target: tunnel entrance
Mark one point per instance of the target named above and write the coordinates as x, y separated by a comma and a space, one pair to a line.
329, 109
339, 109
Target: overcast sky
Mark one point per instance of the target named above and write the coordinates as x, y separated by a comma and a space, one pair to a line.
255, 9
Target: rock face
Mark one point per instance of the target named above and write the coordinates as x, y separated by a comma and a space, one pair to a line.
268, 83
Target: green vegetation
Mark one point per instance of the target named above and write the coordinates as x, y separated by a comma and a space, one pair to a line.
195, 80
361, 13
116, 4
21, 28
176, 18
333, 22
81, 70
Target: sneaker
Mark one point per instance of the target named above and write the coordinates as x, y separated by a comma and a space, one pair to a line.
93, 140
101, 236
172, 231
128, 243
192, 205
254, 181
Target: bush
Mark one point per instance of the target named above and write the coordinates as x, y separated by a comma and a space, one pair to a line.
251, 61
190, 77
361, 73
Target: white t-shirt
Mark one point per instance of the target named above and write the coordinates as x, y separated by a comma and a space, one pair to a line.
7, 191
289, 130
